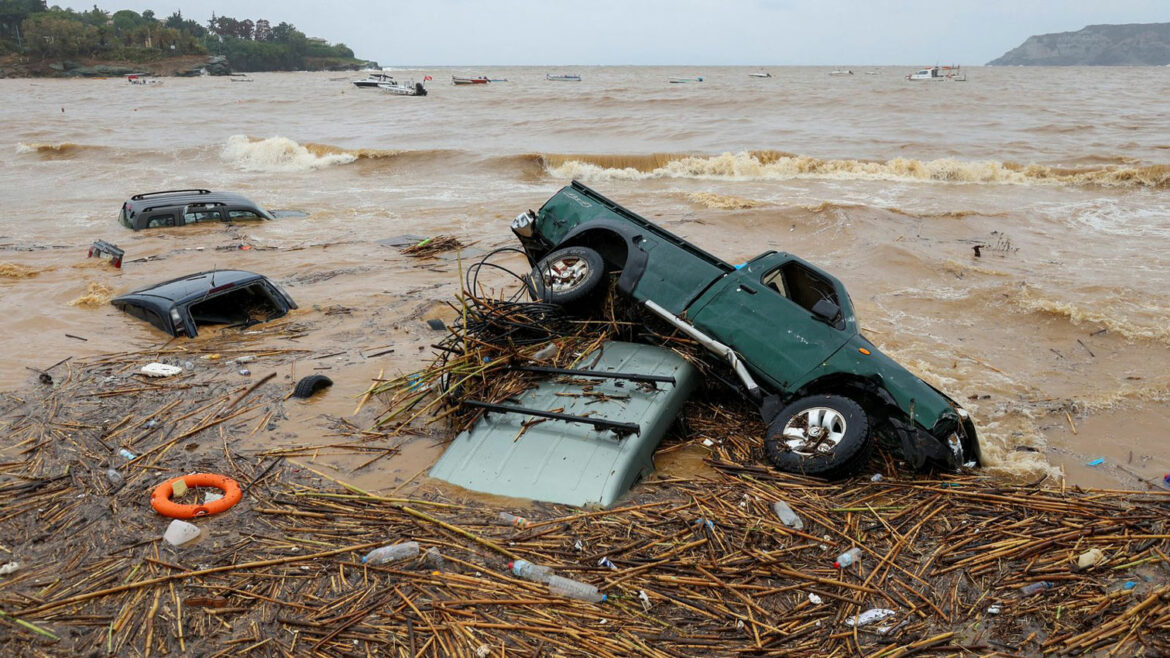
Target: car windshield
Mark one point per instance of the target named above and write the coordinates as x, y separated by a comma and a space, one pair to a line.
241, 306
801, 285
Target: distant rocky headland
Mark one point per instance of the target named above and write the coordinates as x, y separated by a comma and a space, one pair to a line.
1135, 44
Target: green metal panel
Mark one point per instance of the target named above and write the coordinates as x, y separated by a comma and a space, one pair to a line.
572, 463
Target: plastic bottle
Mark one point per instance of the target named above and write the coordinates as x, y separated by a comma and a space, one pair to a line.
787, 516
529, 571
114, 476
847, 558
573, 589
1036, 587
391, 553
511, 519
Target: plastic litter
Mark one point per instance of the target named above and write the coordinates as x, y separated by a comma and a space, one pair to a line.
787, 516
877, 477
188, 365
127, 454
211, 497
644, 599
994, 609
814, 599
847, 558
1034, 588
573, 589
435, 559
1090, 558
505, 518
1129, 584
529, 571
1096, 462
607, 563
180, 532
114, 476
245, 372
178, 488
870, 616
160, 370
546, 352
704, 523
8, 568
152, 423
245, 359
391, 553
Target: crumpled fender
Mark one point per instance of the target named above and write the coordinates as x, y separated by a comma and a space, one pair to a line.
636, 258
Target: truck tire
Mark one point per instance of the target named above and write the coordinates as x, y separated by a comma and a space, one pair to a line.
310, 385
823, 435
568, 277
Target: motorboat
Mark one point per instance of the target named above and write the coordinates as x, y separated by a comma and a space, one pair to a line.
761, 74
939, 73
840, 72
136, 79
477, 80
562, 77
676, 81
404, 87
373, 80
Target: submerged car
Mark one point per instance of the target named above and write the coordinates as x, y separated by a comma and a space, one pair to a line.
231, 297
785, 328
183, 207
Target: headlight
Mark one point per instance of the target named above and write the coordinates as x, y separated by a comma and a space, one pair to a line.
524, 224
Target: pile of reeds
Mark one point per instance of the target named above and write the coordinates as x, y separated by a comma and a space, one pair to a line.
431, 247
701, 565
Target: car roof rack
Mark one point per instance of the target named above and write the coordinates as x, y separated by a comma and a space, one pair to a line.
138, 197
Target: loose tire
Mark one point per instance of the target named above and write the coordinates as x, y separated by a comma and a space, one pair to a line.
310, 385
569, 277
823, 435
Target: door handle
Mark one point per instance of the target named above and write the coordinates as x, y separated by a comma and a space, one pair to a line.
748, 289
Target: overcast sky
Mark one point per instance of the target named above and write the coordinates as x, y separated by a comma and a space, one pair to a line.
664, 32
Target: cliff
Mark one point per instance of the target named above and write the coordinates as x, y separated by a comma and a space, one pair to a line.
1136, 44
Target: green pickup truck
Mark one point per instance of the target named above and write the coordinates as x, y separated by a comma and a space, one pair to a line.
784, 327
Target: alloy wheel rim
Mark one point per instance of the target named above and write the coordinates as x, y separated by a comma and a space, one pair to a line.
815, 431
566, 273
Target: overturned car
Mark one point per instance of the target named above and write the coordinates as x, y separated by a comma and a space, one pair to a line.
784, 327
228, 297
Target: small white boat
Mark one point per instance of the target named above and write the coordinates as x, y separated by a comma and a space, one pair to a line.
841, 72
562, 77
939, 73
373, 80
404, 87
761, 74
477, 80
677, 81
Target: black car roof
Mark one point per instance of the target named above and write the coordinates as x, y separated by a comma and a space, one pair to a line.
141, 202
191, 287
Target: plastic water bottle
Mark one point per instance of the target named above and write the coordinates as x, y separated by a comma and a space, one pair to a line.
391, 553
529, 571
1035, 588
787, 516
114, 477
573, 589
511, 519
847, 558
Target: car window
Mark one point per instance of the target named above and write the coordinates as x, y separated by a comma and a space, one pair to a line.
800, 284
243, 214
156, 221
196, 216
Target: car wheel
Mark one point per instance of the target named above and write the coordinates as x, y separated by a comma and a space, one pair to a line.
310, 385
568, 277
823, 435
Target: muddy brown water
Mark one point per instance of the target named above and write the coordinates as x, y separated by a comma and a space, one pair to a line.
1054, 336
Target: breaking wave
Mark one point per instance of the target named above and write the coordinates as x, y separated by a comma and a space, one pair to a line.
279, 154
96, 295
722, 201
775, 165
61, 150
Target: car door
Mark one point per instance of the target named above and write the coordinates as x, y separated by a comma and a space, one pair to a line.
763, 311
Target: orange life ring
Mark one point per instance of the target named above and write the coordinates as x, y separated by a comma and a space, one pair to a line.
161, 501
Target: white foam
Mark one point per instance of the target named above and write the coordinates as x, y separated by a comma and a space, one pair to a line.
277, 154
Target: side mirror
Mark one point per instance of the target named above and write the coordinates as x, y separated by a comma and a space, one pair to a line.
826, 311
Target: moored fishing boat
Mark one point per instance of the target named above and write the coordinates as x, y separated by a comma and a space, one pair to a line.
760, 74
477, 80
939, 73
562, 77
373, 79
675, 81
405, 87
